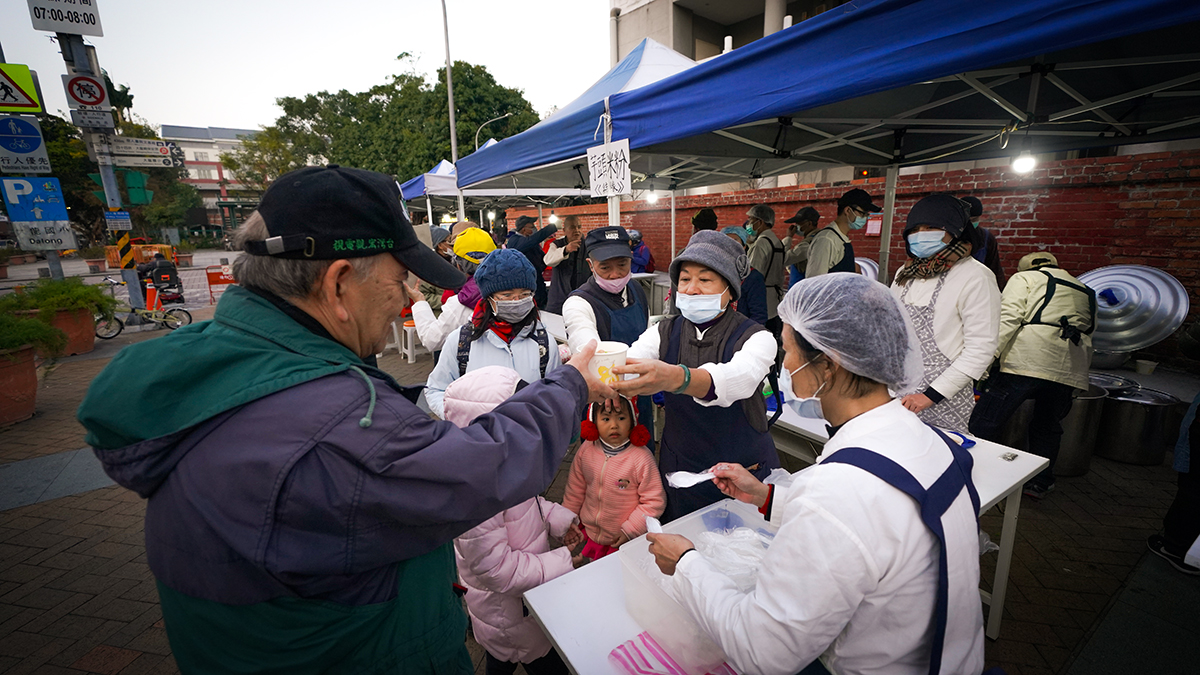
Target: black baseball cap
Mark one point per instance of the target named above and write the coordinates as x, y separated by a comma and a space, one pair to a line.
806, 214
976, 205
335, 212
525, 220
859, 198
606, 243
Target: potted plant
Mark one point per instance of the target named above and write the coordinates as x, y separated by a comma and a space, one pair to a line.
19, 338
95, 258
184, 252
67, 304
5, 254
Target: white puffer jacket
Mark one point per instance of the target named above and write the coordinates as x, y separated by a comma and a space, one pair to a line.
509, 553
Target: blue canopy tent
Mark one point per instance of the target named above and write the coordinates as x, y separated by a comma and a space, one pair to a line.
891, 83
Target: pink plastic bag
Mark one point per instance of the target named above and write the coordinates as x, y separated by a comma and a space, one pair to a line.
644, 656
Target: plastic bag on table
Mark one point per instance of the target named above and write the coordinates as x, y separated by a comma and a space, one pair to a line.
737, 553
986, 545
780, 477
644, 656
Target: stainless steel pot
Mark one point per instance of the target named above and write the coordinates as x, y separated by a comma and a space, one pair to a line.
1115, 384
1135, 426
1109, 360
1080, 428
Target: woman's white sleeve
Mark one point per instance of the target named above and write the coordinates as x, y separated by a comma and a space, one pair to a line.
978, 308
646, 346
743, 375
580, 321
432, 332
812, 580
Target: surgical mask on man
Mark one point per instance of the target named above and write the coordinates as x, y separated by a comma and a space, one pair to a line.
699, 308
975, 223
512, 311
858, 223
805, 407
926, 244
613, 285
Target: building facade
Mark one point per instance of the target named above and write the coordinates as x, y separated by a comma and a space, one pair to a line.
202, 148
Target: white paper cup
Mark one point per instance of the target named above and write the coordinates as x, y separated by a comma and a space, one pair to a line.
608, 355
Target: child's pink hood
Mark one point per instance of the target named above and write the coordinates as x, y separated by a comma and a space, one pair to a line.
478, 392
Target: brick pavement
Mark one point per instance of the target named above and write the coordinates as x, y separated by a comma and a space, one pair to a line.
76, 595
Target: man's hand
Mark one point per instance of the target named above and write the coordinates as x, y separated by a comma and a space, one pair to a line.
917, 402
573, 246
735, 481
653, 376
597, 390
573, 537
667, 549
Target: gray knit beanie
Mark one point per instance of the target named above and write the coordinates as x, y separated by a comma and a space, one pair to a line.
717, 252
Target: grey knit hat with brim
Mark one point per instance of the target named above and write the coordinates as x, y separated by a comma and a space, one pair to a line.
505, 269
717, 252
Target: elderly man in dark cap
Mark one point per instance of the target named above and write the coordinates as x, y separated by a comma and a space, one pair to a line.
800, 227
528, 242
301, 507
988, 250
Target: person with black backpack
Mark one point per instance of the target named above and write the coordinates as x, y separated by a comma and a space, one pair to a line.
504, 330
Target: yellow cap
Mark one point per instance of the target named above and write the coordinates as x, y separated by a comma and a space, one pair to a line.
474, 244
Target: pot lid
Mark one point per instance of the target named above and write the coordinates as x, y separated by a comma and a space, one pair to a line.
867, 267
1147, 396
1136, 306
1113, 383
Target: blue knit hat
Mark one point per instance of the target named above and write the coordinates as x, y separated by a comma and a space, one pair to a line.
505, 269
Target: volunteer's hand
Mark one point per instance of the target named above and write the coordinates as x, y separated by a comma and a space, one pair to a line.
917, 402
414, 294
653, 376
735, 481
573, 537
597, 390
667, 549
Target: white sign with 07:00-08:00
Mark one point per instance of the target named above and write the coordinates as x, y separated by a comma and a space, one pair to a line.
75, 17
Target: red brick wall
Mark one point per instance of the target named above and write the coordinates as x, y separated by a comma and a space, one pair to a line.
1133, 209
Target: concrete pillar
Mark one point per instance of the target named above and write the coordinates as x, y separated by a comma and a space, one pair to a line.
773, 12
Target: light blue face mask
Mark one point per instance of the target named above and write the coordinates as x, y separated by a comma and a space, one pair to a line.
925, 244
805, 407
858, 223
699, 308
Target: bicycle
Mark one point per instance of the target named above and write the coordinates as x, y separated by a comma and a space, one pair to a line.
173, 318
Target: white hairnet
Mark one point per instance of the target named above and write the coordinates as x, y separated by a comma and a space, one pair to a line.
859, 324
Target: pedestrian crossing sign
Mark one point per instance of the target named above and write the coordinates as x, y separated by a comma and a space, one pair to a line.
17, 93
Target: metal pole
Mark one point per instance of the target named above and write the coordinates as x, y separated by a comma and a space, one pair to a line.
429, 208
462, 212
885, 232
672, 225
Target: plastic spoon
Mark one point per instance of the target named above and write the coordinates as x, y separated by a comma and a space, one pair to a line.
686, 479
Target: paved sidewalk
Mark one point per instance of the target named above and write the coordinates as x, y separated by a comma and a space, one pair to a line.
77, 597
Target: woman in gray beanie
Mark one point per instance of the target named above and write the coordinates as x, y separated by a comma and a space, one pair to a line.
504, 330
710, 363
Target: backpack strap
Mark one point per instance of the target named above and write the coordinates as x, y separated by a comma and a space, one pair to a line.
1069, 332
543, 341
464, 348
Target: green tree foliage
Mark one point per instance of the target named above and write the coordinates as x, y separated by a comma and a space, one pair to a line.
69, 159
400, 128
118, 97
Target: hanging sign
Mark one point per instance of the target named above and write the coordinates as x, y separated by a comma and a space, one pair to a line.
85, 92
118, 220
608, 169
93, 119
17, 91
21, 146
74, 17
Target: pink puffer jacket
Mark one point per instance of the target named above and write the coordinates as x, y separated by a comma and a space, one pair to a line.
509, 553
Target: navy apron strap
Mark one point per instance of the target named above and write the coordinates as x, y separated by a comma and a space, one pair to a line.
932, 503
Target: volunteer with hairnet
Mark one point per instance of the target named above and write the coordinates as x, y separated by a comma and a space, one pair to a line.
875, 567
954, 304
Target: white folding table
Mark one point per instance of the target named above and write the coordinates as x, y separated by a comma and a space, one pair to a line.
583, 612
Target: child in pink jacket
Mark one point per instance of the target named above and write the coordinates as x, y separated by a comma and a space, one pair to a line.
510, 553
614, 482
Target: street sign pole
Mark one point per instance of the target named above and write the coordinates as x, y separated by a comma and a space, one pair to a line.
75, 54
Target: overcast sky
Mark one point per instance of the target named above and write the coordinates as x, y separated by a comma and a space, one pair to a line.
222, 63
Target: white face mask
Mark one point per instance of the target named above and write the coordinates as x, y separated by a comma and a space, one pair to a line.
512, 311
699, 308
805, 407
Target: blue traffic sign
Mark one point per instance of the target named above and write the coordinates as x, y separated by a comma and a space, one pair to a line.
33, 199
19, 136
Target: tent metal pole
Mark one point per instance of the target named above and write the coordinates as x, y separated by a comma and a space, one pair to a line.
429, 209
540, 223
889, 211
672, 225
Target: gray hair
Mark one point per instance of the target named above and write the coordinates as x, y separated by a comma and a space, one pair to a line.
285, 277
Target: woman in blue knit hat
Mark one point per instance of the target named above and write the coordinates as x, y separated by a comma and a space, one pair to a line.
504, 330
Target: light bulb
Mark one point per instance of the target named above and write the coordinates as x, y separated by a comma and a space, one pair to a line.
553, 219
491, 215
1024, 163
652, 198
